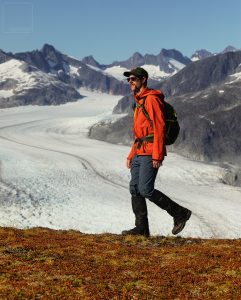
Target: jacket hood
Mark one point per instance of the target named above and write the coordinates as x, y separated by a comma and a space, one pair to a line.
147, 92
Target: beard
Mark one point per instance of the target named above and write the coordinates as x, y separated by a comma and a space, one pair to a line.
135, 89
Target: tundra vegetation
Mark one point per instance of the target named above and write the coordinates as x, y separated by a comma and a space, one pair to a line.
40, 263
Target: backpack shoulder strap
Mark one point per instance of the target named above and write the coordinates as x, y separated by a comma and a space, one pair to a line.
144, 109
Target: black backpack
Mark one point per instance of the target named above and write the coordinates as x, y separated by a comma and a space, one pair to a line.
172, 125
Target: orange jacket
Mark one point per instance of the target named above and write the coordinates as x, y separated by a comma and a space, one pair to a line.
142, 126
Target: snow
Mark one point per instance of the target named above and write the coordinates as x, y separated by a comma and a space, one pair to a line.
204, 117
176, 64
51, 63
236, 77
53, 175
94, 68
6, 93
73, 70
116, 71
195, 58
25, 80
155, 72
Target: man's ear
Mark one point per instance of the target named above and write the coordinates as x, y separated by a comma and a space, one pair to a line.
144, 80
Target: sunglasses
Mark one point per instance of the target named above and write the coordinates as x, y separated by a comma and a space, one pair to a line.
132, 78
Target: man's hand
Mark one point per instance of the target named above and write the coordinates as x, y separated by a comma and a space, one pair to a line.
128, 163
156, 163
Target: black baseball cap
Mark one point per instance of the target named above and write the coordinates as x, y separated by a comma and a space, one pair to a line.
138, 72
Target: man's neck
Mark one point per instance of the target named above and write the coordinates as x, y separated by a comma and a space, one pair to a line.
140, 91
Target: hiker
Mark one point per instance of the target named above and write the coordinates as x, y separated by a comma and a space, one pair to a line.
147, 155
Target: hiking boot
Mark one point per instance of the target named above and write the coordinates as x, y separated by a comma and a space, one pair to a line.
180, 222
141, 220
137, 231
179, 213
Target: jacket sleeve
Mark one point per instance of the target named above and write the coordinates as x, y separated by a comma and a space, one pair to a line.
155, 108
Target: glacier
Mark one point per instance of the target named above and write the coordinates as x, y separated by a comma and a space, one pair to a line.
52, 175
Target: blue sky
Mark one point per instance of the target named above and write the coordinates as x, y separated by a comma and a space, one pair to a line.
115, 29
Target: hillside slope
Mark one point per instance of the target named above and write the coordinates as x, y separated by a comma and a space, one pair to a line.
46, 264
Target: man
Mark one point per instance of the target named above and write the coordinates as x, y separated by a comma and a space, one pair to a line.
147, 154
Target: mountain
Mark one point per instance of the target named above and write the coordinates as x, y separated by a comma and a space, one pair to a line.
196, 77
200, 54
23, 84
50, 77
88, 73
229, 49
159, 67
89, 60
72, 71
202, 74
206, 96
169, 61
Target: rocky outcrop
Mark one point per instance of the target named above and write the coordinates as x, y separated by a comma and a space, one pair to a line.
232, 174
210, 126
118, 132
5, 56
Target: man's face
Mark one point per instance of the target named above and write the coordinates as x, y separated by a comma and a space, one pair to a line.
135, 83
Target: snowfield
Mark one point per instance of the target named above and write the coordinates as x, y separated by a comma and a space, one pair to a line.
15, 70
52, 175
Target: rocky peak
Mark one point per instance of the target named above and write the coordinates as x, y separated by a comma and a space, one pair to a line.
229, 49
137, 55
5, 56
200, 54
46, 49
136, 60
89, 60
175, 54
52, 55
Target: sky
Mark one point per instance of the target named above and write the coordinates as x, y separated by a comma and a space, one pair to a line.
113, 30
